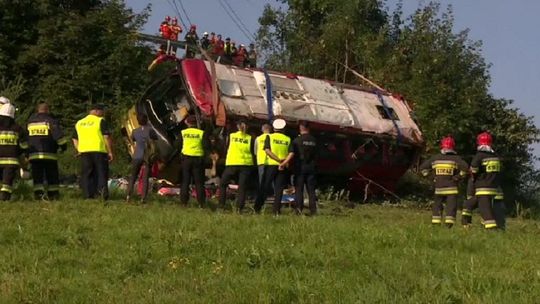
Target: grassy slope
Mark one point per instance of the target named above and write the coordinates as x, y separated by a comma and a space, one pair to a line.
82, 252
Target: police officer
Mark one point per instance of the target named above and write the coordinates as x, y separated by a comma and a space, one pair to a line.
45, 137
278, 148
238, 164
12, 144
486, 169
260, 153
193, 146
93, 142
448, 168
305, 153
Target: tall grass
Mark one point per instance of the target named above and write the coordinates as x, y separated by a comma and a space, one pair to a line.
87, 252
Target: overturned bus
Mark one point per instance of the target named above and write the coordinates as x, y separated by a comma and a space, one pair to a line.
366, 137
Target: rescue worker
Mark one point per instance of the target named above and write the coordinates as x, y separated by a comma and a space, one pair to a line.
191, 41
252, 57
218, 49
205, 42
193, 144
12, 144
241, 56
228, 51
175, 30
472, 203
486, 170
45, 138
305, 154
238, 164
448, 169
143, 136
93, 142
260, 153
165, 33
278, 148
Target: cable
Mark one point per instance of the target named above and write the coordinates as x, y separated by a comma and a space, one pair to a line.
184, 10
177, 12
234, 20
239, 20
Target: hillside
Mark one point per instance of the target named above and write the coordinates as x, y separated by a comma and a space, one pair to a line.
85, 252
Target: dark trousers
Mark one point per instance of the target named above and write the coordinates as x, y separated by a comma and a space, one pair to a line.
192, 168
492, 211
94, 175
242, 173
272, 174
136, 166
8, 175
308, 180
438, 207
46, 177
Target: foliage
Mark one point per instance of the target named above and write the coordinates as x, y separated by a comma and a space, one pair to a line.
85, 252
442, 73
71, 54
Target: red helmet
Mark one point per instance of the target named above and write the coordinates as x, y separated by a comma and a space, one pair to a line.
193, 27
448, 143
484, 139
174, 20
168, 18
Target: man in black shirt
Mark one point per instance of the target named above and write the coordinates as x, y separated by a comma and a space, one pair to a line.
305, 168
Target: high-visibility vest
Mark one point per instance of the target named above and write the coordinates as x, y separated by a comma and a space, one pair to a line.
262, 157
90, 137
239, 152
192, 139
279, 145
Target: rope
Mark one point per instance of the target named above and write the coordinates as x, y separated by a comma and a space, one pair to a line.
387, 111
378, 185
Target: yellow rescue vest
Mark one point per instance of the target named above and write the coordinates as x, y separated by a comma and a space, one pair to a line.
90, 137
279, 145
262, 157
192, 142
239, 152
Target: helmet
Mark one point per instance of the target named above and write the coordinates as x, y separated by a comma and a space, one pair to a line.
4, 100
205, 34
168, 18
174, 20
193, 27
7, 110
279, 124
484, 139
448, 143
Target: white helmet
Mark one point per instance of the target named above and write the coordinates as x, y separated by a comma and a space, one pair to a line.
4, 100
279, 124
205, 33
7, 110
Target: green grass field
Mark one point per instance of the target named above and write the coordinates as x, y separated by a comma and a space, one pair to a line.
86, 252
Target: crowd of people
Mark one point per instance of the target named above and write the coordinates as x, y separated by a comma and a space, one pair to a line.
270, 154
222, 51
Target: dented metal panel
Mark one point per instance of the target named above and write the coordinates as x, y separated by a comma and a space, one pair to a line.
243, 93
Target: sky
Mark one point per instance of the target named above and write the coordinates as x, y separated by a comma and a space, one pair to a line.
508, 30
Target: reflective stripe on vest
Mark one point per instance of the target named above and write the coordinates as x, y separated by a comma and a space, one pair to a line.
192, 142
279, 145
90, 137
262, 157
239, 152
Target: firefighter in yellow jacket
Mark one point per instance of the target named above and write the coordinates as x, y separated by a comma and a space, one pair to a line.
278, 148
193, 146
238, 164
93, 142
448, 169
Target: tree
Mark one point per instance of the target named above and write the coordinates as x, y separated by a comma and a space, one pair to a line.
71, 53
421, 57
